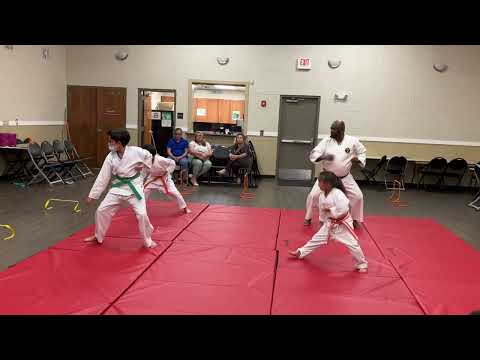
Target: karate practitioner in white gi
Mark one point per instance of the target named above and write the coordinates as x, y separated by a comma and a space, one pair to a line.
125, 164
159, 178
338, 152
337, 222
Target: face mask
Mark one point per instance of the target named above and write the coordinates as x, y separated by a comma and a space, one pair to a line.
112, 147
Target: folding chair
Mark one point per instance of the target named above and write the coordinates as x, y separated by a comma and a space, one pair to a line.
456, 168
80, 165
40, 169
395, 169
371, 173
62, 158
255, 171
476, 199
436, 167
219, 159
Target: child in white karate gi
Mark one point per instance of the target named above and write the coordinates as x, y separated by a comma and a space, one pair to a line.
125, 164
337, 223
158, 177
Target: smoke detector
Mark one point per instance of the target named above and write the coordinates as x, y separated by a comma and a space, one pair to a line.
440, 67
333, 64
121, 55
223, 60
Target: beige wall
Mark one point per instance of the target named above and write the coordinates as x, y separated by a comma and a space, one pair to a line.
394, 94
393, 90
37, 133
30, 89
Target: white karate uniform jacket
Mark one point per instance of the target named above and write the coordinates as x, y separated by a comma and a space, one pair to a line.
338, 205
340, 165
161, 166
123, 167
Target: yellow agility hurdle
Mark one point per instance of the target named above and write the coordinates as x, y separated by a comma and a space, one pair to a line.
12, 230
75, 209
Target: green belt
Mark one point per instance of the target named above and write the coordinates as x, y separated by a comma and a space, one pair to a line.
127, 181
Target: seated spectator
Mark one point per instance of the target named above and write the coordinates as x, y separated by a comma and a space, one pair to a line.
201, 151
177, 149
240, 157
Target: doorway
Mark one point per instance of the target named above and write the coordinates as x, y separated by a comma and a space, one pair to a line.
298, 133
157, 114
91, 112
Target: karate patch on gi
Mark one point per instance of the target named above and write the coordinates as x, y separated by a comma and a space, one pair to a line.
347, 150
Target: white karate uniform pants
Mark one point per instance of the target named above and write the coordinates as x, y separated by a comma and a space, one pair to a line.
110, 206
353, 193
172, 192
339, 233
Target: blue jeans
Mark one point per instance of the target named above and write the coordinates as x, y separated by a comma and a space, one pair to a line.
183, 163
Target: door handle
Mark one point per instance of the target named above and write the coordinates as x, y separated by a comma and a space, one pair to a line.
289, 141
99, 130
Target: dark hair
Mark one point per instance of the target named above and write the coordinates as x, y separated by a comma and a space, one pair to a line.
178, 129
121, 135
332, 179
150, 148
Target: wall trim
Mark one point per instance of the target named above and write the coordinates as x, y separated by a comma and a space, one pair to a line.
387, 140
413, 141
32, 123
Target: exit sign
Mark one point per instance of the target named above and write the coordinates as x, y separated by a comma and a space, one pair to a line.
304, 63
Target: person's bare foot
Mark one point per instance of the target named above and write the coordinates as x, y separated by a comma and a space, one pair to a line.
222, 172
187, 210
152, 245
194, 181
307, 222
91, 239
295, 253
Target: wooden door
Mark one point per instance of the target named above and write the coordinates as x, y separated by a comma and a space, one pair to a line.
111, 114
82, 121
224, 113
147, 119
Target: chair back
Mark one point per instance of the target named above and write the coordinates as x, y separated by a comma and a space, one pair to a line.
458, 165
438, 163
397, 164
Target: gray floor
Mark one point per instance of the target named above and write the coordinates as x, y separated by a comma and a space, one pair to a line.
36, 229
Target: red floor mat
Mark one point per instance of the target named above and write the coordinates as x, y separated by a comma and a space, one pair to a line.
58, 281
303, 292
203, 279
119, 244
234, 226
441, 269
165, 217
326, 282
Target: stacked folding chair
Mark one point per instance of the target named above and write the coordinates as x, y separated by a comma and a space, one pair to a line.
62, 158
41, 169
72, 155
